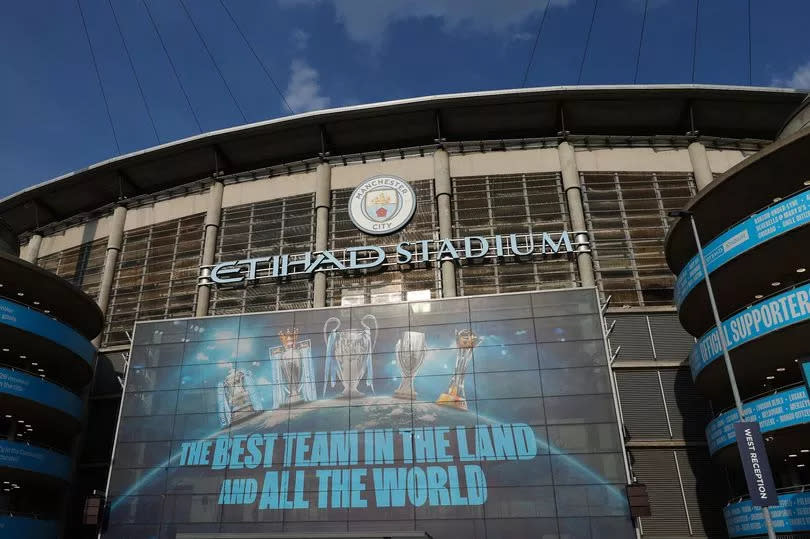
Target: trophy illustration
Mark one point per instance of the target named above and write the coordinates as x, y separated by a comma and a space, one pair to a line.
410, 350
293, 373
466, 340
348, 355
236, 397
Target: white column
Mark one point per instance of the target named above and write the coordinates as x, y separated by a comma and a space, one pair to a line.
573, 194
323, 201
212, 221
32, 249
441, 182
115, 240
700, 165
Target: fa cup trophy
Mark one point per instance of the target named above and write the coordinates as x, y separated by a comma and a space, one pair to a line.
236, 397
410, 350
293, 374
348, 355
466, 340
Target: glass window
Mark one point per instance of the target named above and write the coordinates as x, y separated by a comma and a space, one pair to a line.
576, 381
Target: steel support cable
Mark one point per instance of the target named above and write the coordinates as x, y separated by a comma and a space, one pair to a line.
98, 77
211, 57
262, 64
171, 63
534, 48
587, 41
695, 39
641, 40
750, 74
134, 73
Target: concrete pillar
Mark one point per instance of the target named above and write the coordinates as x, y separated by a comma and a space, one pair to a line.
32, 249
700, 165
115, 240
441, 182
213, 217
323, 201
573, 195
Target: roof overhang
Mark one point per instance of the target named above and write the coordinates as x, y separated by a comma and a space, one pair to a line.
653, 110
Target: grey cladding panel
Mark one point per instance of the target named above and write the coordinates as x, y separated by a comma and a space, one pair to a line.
688, 410
642, 405
672, 342
656, 468
632, 335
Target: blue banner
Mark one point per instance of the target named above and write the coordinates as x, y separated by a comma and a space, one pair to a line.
28, 528
759, 319
778, 411
21, 317
33, 388
785, 216
792, 515
32, 458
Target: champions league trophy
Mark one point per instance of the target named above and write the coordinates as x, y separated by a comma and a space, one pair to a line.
348, 355
293, 374
410, 350
466, 340
236, 397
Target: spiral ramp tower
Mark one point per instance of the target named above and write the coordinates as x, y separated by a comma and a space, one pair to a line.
754, 222
46, 362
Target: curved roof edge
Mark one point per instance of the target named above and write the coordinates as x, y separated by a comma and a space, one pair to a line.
776, 171
67, 302
724, 111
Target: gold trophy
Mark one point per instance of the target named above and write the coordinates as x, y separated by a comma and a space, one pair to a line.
466, 340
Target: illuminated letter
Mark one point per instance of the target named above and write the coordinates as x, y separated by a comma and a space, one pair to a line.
220, 272
353, 264
483, 245
404, 256
555, 248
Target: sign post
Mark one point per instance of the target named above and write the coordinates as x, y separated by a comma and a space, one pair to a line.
755, 464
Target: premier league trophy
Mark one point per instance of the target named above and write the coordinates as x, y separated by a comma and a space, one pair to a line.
236, 397
293, 373
348, 355
466, 340
410, 351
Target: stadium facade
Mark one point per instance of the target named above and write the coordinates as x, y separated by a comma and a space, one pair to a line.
452, 315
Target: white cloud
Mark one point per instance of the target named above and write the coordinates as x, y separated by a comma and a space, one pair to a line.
368, 20
300, 39
799, 79
304, 90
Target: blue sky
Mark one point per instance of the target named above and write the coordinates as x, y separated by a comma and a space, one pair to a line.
330, 53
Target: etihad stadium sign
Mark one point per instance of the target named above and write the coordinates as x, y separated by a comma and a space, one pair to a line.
404, 255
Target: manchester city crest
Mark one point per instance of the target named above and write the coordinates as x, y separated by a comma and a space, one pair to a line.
382, 205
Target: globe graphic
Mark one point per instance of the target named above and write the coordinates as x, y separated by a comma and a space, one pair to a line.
364, 413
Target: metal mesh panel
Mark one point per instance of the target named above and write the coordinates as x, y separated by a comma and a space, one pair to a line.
390, 284
657, 469
156, 275
626, 214
275, 227
504, 204
688, 411
81, 265
645, 417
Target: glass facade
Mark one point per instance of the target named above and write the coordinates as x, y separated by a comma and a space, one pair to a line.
391, 284
505, 204
626, 215
156, 275
275, 227
81, 265
472, 417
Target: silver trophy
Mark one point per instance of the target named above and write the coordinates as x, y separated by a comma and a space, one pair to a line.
236, 397
293, 373
348, 355
410, 351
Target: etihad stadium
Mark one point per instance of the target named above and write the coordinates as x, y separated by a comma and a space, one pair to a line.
469, 315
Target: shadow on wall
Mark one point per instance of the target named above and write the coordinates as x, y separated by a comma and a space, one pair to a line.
706, 487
